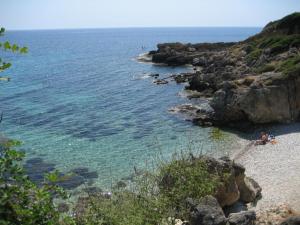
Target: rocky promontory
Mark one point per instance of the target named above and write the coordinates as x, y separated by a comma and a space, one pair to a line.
256, 81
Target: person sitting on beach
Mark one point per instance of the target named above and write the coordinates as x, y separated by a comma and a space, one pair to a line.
263, 139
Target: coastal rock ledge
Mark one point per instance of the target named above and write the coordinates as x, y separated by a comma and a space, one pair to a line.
255, 81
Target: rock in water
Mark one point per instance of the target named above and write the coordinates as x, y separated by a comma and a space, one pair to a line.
242, 218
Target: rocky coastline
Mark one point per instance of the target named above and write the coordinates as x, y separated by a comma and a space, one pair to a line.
255, 81
250, 83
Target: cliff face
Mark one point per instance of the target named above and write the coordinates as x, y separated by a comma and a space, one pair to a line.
256, 80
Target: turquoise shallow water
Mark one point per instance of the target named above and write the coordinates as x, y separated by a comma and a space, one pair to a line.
79, 99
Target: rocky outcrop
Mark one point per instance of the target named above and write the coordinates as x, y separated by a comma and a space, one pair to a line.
177, 54
254, 81
230, 195
258, 103
249, 189
236, 186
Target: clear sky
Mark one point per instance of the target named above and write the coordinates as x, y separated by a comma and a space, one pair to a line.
53, 14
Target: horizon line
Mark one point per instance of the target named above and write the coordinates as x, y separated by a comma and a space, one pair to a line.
129, 27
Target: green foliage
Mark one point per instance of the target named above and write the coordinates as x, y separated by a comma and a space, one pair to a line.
266, 68
280, 43
154, 198
291, 66
275, 43
21, 201
186, 178
254, 54
288, 25
2, 30
124, 208
6, 46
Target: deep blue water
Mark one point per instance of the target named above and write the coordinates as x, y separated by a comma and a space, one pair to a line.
78, 98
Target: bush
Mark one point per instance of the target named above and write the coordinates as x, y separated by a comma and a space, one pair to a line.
275, 43
154, 198
21, 201
291, 66
123, 208
185, 178
254, 54
265, 68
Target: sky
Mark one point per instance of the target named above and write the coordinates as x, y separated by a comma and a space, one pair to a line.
68, 14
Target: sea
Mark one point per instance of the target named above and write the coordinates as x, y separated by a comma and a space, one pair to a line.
79, 99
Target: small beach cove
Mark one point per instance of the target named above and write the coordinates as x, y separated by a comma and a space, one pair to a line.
86, 104
276, 167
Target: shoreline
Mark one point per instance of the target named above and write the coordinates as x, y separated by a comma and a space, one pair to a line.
276, 167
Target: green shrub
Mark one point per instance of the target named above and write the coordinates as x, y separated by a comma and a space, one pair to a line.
185, 178
266, 68
254, 54
291, 66
276, 43
154, 198
123, 208
21, 201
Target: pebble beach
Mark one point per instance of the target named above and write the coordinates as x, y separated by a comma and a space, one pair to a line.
276, 167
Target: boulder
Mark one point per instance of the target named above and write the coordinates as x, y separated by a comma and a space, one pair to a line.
206, 212
200, 61
249, 190
228, 193
198, 84
242, 218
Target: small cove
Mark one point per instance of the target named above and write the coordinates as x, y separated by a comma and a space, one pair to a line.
78, 99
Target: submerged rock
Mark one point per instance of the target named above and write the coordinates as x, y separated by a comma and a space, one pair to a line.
93, 190
160, 81
37, 168
85, 173
70, 182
